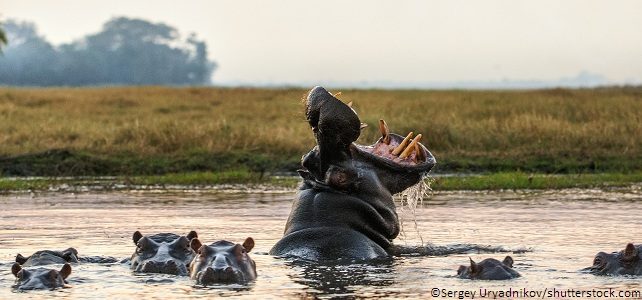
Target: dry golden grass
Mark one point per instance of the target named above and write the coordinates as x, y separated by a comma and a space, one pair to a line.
589, 124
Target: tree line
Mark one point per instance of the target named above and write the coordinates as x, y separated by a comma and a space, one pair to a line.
125, 52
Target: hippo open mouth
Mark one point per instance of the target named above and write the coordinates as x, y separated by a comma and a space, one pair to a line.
397, 151
345, 209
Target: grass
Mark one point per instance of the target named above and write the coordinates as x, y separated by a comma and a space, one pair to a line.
495, 181
158, 130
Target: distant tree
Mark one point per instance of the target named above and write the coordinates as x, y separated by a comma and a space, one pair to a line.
3, 38
29, 59
126, 52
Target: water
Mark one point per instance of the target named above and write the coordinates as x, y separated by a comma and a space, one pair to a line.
564, 230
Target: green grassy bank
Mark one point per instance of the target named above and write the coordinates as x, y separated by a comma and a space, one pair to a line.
144, 131
495, 181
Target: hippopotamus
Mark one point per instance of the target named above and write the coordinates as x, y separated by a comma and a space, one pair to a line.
489, 269
165, 253
223, 262
40, 278
624, 262
48, 257
344, 209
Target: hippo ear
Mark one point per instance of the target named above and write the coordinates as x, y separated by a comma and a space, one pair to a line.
15, 269
195, 244
508, 261
21, 259
630, 252
70, 254
248, 244
335, 126
474, 268
137, 236
65, 271
192, 235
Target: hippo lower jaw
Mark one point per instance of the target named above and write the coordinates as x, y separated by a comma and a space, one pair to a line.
169, 267
219, 276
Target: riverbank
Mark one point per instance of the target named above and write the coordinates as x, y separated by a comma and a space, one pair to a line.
239, 180
133, 131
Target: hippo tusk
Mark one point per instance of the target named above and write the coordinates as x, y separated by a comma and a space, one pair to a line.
411, 147
350, 104
402, 145
363, 125
420, 155
383, 127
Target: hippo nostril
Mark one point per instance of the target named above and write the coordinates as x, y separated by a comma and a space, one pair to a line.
228, 270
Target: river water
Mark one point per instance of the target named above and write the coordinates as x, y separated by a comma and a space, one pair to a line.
562, 231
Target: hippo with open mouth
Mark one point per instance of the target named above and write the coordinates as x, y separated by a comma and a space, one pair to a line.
165, 253
223, 262
489, 269
40, 278
48, 257
345, 208
624, 262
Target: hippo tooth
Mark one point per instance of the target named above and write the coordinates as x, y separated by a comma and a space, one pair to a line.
419, 157
383, 127
363, 125
410, 147
402, 145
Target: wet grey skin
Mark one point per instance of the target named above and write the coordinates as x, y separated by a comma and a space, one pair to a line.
223, 262
40, 278
344, 209
624, 262
489, 269
165, 253
48, 257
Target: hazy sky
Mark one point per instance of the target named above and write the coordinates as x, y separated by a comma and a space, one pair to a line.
298, 41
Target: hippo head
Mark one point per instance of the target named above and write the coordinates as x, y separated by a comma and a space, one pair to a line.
40, 278
48, 257
488, 269
223, 262
398, 162
625, 262
165, 253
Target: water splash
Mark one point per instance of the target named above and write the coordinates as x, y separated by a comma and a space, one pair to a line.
407, 202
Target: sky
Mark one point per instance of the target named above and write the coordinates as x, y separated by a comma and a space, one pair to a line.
400, 43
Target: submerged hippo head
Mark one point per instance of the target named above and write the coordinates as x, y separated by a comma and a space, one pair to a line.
165, 253
40, 278
489, 269
345, 208
625, 262
48, 257
223, 262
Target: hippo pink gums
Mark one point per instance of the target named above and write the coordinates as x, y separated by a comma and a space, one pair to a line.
345, 209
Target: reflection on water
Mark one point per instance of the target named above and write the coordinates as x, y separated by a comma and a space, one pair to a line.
564, 230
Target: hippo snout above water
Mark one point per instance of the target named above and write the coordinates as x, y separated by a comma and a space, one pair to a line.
48, 257
489, 269
165, 253
344, 208
40, 278
223, 262
624, 262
